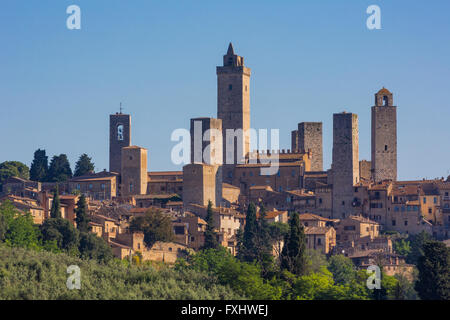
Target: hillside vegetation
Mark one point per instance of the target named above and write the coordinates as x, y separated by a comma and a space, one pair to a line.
30, 274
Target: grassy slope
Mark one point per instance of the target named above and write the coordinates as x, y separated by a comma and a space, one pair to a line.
26, 274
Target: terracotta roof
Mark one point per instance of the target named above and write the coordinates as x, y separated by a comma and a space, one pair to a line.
316, 230
310, 216
384, 91
272, 214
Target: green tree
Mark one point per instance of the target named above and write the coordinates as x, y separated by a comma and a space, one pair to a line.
17, 228
39, 166
242, 277
13, 169
82, 218
59, 169
155, 225
434, 272
417, 243
277, 232
83, 166
247, 248
342, 268
93, 247
62, 232
210, 235
55, 211
293, 257
402, 247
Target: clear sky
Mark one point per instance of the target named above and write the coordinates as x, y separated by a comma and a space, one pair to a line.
309, 59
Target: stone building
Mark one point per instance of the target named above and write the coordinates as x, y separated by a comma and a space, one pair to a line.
134, 171
119, 137
206, 141
384, 137
202, 183
309, 138
233, 108
345, 165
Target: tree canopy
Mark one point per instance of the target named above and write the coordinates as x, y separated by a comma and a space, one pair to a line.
83, 166
155, 225
39, 166
13, 169
59, 169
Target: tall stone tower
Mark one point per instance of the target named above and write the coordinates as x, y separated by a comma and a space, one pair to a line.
384, 137
233, 107
345, 166
119, 137
202, 183
134, 171
310, 138
206, 141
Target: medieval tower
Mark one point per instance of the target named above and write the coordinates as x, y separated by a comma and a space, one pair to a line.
384, 137
233, 107
119, 137
310, 139
134, 174
345, 165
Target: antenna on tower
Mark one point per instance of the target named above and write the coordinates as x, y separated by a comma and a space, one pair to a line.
121, 108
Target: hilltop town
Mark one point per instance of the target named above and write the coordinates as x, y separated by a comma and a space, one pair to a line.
357, 208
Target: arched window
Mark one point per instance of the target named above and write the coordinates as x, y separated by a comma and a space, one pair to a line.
120, 132
385, 101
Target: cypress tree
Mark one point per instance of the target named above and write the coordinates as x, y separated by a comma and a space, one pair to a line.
293, 257
55, 211
248, 247
82, 218
39, 166
434, 272
210, 235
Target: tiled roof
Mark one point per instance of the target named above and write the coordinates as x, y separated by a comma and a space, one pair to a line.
310, 216
316, 230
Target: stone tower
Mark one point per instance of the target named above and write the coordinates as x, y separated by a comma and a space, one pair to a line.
384, 137
233, 107
119, 137
310, 138
294, 141
202, 183
345, 166
206, 141
134, 171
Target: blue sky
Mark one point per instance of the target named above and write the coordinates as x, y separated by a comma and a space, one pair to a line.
309, 59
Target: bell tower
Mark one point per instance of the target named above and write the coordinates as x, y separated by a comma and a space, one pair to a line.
384, 137
119, 137
233, 107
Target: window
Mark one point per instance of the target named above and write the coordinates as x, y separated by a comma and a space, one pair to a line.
131, 186
343, 203
293, 173
78, 186
102, 186
385, 148
319, 241
435, 200
393, 222
406, 222
320, 200
90, 186
120, 132
429, 210
230, 87
424, 200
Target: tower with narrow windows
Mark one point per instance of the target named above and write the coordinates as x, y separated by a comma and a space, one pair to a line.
345, 165
233, 108
119, 137
384, 137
